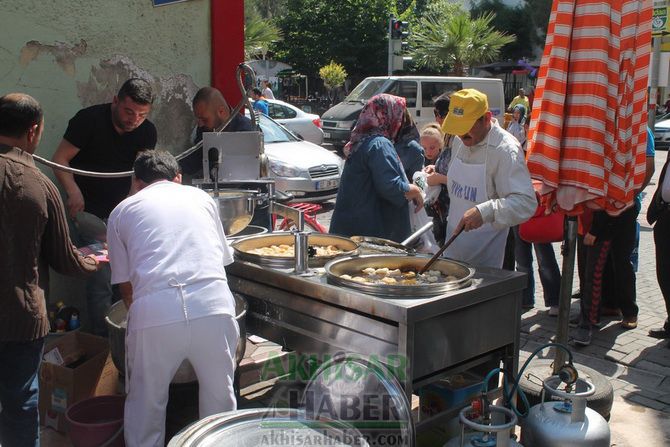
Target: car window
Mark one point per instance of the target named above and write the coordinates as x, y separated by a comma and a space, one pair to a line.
273, 132
431, 90
406, 89
365, 90
288, 112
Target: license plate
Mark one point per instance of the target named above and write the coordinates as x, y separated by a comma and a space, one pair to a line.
326, 135
326, 184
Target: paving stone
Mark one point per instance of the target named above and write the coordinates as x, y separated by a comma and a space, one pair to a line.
641, 378
654, 367
645, 401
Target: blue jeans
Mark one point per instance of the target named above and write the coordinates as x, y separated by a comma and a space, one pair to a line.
19, 419
550, 275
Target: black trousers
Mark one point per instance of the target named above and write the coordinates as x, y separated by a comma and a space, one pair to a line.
619, 246
662, 242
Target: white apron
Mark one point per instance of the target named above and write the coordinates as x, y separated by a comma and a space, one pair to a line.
484, 246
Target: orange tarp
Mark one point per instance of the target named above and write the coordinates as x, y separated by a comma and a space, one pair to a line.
587, 136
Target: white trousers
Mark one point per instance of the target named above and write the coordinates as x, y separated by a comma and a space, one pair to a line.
154, 354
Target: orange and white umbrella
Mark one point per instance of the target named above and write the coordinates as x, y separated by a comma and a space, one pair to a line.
588, 136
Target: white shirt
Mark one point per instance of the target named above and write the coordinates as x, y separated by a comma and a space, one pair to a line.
267, 92
167, 240
508, 185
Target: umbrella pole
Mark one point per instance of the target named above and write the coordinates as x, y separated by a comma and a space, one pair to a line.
568, 251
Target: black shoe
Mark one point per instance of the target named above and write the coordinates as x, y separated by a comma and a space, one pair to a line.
582, 336
659, 333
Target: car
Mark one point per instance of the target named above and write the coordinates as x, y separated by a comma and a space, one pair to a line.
307, 171
662, 135
305, 125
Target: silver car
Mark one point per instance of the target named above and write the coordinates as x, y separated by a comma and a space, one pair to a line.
309, 172
306, 125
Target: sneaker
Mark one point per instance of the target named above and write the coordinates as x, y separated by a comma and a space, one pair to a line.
582, 336
629, 323
659, 332
553, 311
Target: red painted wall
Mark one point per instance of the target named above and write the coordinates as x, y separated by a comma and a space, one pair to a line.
227, 46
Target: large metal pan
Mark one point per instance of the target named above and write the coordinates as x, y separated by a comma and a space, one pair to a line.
353, 265
242, 247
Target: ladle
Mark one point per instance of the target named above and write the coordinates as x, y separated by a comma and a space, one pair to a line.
432, 260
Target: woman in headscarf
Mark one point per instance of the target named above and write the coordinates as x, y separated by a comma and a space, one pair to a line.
517, 126
374, 190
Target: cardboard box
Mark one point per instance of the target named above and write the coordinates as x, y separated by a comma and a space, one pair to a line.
62, 385
448, 393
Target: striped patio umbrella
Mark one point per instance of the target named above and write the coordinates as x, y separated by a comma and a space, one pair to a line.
588, 125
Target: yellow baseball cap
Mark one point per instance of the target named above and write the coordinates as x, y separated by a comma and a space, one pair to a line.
465, 107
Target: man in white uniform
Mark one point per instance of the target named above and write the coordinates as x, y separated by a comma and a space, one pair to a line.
167, 251
489, 185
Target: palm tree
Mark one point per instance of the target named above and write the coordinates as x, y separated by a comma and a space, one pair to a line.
259, 34
456, 41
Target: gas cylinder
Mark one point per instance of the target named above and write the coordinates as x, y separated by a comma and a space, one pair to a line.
486, 434
565, 423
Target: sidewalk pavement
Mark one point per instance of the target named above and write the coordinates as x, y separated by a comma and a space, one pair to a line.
637, 365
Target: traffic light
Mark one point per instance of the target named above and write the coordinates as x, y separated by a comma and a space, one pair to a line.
399, 29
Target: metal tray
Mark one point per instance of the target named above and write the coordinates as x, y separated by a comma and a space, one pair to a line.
352, 265
242, 246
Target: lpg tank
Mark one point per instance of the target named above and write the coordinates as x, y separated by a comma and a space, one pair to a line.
486, 435
566, 422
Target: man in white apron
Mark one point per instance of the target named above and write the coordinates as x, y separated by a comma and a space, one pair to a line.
167, 250
489, 185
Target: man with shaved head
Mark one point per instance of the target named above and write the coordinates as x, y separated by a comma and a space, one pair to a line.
34, 237
211, 110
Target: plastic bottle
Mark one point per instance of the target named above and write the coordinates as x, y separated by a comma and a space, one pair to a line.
74, 321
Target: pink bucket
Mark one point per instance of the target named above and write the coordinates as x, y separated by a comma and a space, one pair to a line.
96, 422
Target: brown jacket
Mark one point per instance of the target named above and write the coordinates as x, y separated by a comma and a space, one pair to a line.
33, 236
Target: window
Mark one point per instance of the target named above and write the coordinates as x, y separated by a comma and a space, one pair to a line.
406, 89
431, 90
279, 112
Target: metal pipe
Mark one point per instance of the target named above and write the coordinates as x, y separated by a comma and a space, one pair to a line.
565, 295
301, 252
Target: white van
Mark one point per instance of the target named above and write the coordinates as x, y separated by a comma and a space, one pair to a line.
419, 91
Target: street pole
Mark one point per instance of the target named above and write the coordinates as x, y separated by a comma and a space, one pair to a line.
390, 49
653, 82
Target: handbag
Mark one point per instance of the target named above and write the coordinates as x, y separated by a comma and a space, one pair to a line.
542, 228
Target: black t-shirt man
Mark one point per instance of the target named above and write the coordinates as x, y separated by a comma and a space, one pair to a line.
102, 149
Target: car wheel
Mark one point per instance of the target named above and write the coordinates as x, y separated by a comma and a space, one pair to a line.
538, 370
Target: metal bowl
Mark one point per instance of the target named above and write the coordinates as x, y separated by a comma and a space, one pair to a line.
236, 208
117, 318
353, 265
250, 230
242, 247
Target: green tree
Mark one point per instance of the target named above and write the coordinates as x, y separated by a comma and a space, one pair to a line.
448, 39
353, 32
333, 76
517, 20
259, 34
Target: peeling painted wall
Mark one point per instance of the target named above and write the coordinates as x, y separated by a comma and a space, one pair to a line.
71, 54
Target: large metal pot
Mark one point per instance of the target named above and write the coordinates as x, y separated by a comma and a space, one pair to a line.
250, 230
116, 320
272, 427
353, 265
236, 208
242, 247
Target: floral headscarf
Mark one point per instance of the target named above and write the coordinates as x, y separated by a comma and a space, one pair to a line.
522, 112
382, 115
